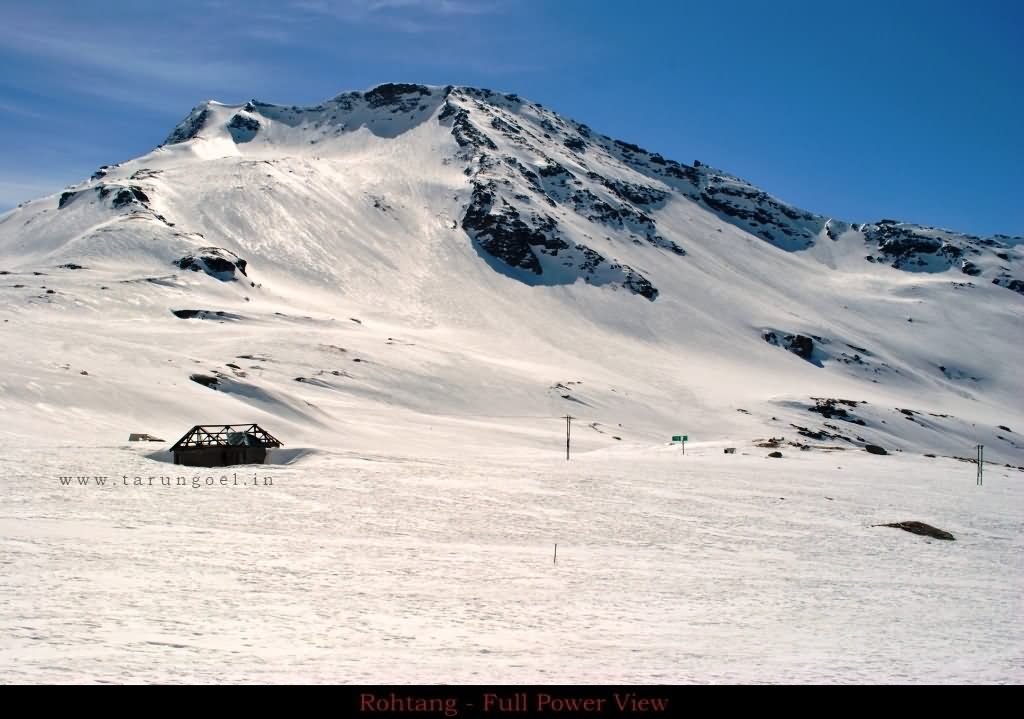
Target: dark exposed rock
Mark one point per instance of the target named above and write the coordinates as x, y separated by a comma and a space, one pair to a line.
828, 408
1010, 283
506, 127
71, 266
575, 144
465, 132
637, 194
396, 94
243, 128
205, 380
65, 198
910, 247
819, 435
630, 147
775, 455
921, 528
214, 261
754, 210
504, 234
800, 345
129, 195
205, 315
447, 110
874, 449
190, 127
640, 285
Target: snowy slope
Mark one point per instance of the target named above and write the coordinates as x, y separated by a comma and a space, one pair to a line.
509, 251
430, 278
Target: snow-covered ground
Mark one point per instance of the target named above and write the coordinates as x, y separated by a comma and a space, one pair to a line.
418, 378
350, 568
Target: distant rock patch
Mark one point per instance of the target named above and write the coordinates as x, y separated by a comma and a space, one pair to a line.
217, 262
829, 408
1009, 283
190, 127
205, 315
243, 127
205, 380
921, 528
466, 134
405, 97
575, 144
800, 345
66, 198
128, 195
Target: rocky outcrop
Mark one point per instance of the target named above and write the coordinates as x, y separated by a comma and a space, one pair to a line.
519, 240
243, 127
121, 195
466, 134
205, 315
925, 530
190, 127
1009, 283
830, 408
217, 262
528, 157
401, 97
504, 235
800, 345
126, 196
907, 247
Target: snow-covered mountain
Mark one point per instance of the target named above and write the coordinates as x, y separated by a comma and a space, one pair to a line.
411, 287
501, 261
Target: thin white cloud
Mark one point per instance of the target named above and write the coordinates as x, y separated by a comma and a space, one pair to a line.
15, 190
15, 109
404, 15
147, 62
124, 65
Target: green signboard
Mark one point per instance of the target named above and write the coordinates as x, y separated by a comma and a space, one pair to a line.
680, 438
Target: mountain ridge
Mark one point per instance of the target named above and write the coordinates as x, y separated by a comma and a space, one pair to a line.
525, 243
502, 260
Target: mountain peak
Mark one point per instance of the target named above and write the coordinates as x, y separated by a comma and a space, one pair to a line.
432, 210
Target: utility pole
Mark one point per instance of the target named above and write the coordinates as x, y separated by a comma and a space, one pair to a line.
568, 431
981, 463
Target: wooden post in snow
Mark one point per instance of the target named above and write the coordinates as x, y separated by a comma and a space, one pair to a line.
568, 430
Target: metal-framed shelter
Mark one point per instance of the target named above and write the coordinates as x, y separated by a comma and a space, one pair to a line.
221, 445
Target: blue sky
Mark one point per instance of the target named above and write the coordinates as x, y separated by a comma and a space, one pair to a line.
861, 110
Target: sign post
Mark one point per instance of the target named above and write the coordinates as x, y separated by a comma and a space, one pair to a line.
681, 438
